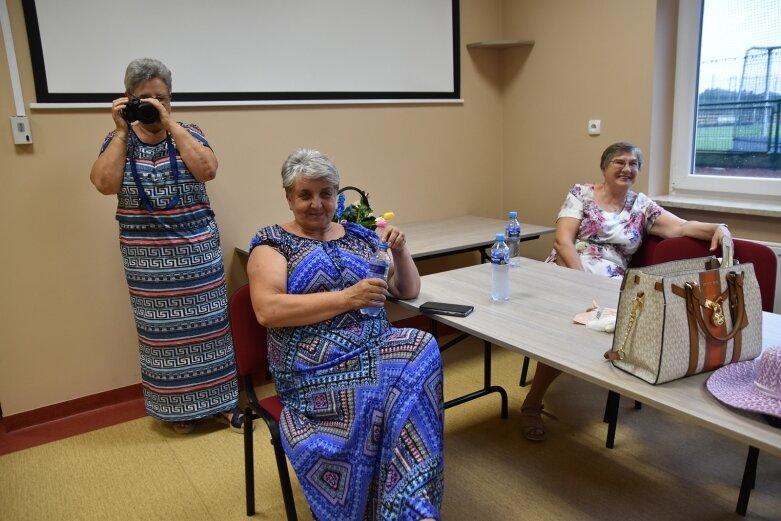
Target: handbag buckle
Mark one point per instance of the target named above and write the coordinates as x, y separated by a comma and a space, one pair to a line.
717, 315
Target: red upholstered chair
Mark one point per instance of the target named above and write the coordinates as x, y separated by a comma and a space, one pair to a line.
644, 256
762, 257
249, 343
680, 248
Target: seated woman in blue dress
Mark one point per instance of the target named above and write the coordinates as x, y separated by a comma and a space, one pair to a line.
362, 422
598, 229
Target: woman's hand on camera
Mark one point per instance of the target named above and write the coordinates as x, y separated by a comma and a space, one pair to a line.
118, 115
165, 117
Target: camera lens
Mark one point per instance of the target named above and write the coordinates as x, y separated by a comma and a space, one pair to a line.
147, 113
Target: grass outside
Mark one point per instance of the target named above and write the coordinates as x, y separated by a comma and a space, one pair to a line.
720, 138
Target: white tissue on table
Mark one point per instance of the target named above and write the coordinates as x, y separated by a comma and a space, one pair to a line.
606, 324
594, 313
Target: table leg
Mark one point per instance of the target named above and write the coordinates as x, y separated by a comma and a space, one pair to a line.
749, 478
524, 371
487, 387
611, 417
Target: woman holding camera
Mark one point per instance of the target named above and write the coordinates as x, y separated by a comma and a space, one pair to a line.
170, 246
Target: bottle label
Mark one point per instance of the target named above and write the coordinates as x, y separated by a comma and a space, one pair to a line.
513, 232
377, 270
497, 257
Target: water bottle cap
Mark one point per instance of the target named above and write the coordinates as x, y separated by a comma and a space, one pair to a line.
513, 215
383, 245
499, 236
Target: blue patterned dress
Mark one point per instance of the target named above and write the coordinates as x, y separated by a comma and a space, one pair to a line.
362, 422
174, 271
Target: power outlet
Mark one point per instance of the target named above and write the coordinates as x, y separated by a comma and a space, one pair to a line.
20, 128
594, 127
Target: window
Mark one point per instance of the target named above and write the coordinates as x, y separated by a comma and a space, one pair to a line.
727, 109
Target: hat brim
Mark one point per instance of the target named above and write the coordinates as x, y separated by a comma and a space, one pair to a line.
733, 385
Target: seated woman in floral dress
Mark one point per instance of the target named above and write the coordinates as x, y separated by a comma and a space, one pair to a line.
598, 229
362, 422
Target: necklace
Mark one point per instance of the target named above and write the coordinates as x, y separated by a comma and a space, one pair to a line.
611, 206
616, 207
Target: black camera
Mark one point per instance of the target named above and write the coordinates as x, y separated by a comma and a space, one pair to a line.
143, 112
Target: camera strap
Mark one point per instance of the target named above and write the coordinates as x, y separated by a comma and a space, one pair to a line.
174, 168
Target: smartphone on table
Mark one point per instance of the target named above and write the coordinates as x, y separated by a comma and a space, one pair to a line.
444, 308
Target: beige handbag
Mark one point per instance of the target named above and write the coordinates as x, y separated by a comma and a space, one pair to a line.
686, 317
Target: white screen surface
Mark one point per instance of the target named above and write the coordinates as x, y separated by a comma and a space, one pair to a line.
242, 49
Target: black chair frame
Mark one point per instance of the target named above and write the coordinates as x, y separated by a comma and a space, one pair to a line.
254, 411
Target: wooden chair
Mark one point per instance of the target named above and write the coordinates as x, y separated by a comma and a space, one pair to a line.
249, 343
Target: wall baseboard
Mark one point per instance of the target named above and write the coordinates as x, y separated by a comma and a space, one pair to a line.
69, 408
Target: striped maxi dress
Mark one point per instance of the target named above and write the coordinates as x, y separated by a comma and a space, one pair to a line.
170, 247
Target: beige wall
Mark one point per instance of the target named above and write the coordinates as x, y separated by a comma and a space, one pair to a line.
66, 320
518, 141
591, 60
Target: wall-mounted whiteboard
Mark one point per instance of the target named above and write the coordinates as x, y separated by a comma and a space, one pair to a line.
231, 50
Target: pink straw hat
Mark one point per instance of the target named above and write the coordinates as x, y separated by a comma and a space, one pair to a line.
753, 386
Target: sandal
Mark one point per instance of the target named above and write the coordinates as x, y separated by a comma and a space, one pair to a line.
236, 422
531, 422
183, 427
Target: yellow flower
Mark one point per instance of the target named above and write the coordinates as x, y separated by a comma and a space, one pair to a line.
388, 216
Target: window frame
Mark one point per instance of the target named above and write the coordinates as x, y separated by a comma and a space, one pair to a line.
682, 180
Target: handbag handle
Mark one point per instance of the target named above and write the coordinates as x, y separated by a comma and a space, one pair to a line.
727, 252
695, 299
634, 313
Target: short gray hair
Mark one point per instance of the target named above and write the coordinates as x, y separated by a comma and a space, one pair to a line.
145, 69
621, 148
309, 164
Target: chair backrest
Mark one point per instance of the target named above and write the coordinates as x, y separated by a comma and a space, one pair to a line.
645, 254
765, 266
679, 248
762, 257
249, 337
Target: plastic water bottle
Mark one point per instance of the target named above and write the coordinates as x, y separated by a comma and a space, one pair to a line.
378, 269
512, 232
500, 269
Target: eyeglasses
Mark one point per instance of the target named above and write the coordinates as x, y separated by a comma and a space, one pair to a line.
633, 164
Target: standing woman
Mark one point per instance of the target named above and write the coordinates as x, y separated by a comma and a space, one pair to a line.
171, 252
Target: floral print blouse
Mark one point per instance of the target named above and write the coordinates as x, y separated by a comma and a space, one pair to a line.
607, 240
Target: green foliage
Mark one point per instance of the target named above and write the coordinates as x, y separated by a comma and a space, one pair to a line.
358, 212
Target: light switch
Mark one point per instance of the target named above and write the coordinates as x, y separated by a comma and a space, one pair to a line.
20, 128
594, 127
